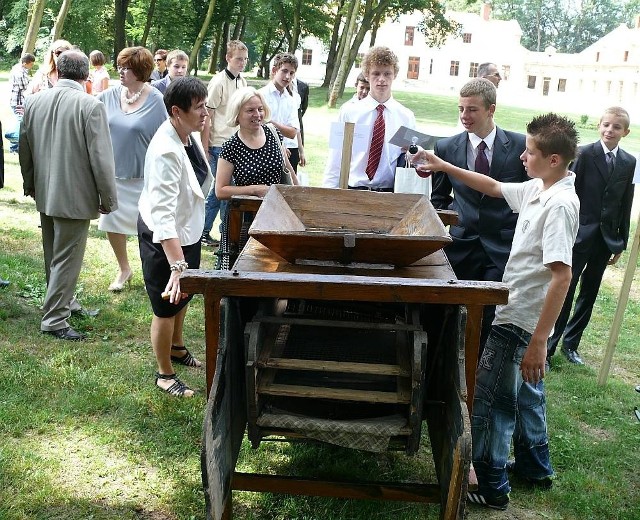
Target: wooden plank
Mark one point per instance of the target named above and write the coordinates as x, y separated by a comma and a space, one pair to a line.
472, 347
426, 493
309, 322
448, 217
349, 288
338, 394
334, 366
345, 162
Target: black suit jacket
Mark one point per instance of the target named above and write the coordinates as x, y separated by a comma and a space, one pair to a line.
303, 90
605, 201
487, 220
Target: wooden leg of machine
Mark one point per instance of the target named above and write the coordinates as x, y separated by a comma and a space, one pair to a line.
212, 334
228, 508
472, 346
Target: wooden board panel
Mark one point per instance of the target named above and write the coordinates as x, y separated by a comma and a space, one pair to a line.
334, 366
340, 394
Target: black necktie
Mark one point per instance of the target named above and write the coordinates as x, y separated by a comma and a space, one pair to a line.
482, 163
611, 162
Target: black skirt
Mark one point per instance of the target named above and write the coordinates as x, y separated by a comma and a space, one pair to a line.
156, 271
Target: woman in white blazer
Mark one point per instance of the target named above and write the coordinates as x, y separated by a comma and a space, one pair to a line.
176, 180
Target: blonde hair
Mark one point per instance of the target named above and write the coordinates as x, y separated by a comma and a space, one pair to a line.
381, 56
618, 112
176, 55
239, 98
49, 64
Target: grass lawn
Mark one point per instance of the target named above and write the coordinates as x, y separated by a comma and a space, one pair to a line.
84, 434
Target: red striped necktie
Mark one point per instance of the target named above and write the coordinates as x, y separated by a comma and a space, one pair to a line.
377, 139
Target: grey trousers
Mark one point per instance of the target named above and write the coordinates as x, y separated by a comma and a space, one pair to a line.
63, 242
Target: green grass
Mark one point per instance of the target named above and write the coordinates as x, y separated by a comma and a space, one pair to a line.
84, 433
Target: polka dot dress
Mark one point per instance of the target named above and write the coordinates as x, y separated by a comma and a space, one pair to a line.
250, 167
260, 166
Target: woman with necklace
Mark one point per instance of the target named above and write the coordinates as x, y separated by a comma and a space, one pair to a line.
177, 178
135, 111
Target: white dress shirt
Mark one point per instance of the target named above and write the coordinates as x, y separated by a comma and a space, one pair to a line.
364, 113
284, 109
472, 148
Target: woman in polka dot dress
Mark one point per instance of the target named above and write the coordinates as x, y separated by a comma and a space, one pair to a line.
252, 159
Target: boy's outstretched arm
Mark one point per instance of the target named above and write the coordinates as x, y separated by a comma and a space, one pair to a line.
477, 181
532, 365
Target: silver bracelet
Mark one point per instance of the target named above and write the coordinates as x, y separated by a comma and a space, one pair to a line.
179, 265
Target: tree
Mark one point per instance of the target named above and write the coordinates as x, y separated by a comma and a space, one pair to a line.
193, 58
62, 15
36, 10
345, 45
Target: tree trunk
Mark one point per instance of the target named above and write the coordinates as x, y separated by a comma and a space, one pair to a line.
295, 34
222, 50
59, 23
333, 47
215, 46
119, 19
147, 25
193, 58
345, 65
36, 10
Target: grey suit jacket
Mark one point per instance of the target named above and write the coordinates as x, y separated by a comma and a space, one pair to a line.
65, 152
162, 84
481, 218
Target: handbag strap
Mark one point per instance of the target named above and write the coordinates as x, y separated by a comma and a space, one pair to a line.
277, 138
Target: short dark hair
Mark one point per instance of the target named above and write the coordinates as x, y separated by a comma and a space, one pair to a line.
284, 57
27, 57
73, 64
183, 91
361, 79
138, 59
554, 134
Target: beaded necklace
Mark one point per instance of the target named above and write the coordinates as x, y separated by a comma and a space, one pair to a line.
131, 100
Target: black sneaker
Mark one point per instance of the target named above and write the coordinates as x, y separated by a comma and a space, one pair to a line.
208, 241
500, 502
540, 483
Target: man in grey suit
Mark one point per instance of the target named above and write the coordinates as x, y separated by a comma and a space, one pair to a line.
67, 166
482, 238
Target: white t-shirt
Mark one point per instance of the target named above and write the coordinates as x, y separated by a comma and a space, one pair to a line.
545, 232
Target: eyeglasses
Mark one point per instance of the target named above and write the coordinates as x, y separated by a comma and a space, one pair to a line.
122, 70
159, 59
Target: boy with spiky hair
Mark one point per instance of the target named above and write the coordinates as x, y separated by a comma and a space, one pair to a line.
509, 393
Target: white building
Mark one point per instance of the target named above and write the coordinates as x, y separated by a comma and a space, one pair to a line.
606, 73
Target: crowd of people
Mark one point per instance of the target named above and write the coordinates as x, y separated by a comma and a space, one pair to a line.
158, 155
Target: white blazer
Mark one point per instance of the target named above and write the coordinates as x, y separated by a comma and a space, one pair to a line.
172, 201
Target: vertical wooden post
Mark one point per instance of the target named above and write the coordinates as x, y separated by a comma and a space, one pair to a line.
623, 299
212, 334
347, 146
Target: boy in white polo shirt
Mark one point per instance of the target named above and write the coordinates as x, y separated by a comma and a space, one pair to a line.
509, 393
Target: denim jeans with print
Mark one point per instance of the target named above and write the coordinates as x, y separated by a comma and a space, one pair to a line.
505, 408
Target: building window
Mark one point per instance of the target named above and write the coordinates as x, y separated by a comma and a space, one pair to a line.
473, 69
358, 62
466, 38
408, 35
531, 82
608, 88
306, 56
626, 55
506, 72
562, 85
413, 69
431, 66
597, 57
453, 69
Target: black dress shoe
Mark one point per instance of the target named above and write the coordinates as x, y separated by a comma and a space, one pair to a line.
4, 283
572, 356
67, 333
85, 313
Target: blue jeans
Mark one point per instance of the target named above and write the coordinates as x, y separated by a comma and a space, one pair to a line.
212, 204
506, 408
13, 134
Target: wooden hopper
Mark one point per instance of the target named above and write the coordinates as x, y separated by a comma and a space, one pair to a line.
303, 225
